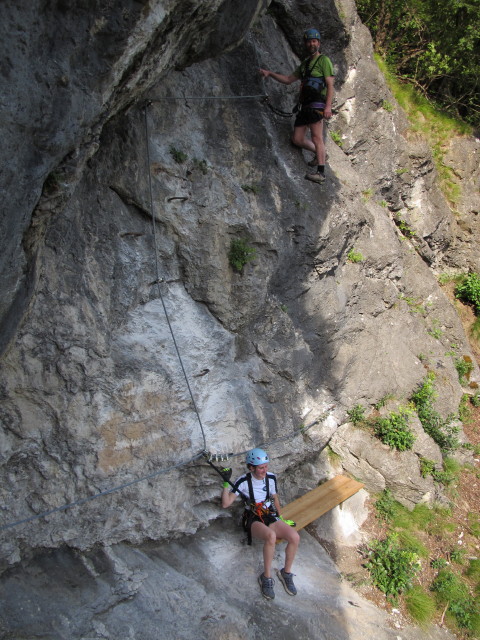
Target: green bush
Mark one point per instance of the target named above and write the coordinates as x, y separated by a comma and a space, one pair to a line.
357, 414
464, 367
392, 568
240, 254
469, 290
394, 430
179, 156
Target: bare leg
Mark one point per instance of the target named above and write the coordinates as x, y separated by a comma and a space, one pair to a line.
284, 531
299, 139
317, 140
268, 535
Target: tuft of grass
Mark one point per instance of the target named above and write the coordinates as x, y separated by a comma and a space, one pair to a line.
450, 590
386, 506
420, 605
410, 542
337, 138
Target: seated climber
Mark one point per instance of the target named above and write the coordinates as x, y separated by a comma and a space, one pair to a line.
262, 518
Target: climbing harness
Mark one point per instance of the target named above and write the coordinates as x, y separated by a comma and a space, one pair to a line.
312, 88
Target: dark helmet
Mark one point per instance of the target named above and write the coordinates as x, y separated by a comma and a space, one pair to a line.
311, 34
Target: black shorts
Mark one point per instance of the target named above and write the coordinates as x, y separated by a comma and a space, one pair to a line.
249, 518
307, 116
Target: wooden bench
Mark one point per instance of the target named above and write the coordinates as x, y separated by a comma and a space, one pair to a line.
315, 503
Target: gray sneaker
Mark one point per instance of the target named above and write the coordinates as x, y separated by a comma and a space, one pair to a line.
319, 178
287, 580
266, 585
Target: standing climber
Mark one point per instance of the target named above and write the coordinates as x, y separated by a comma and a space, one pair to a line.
315, 100
262, 518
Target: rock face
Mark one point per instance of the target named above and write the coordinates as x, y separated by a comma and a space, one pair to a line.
135, 152
201, 589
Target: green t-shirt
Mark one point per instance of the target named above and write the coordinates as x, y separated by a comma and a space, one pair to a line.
320, 68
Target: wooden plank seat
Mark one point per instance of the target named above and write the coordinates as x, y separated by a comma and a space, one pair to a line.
315, 503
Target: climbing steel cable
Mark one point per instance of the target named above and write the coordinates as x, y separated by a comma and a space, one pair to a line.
106, 492
158, 278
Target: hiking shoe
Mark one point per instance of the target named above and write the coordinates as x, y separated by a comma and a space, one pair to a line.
313, 162
319, 178
266, 585
287, 580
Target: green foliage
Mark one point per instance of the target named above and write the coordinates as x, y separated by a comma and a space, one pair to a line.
388, 106
420, 605
474, 523
394, 430
240, 254
383, 400
438, 563
392, 568
427, 467
475, 399
441, 430
433, 45
464, 367
336, 137
201, 165
464, 408
473, 569
411, 542
468, 290
179, 156
449, 588
354, 256
457, 555
404, 227
357, 414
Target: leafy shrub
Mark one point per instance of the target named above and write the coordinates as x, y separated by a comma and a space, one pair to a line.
438, 563
394, 430
441, 430
357, 414
240, 254
427, 467
464, 367
469, 290
392, 568
420, 605
179, 156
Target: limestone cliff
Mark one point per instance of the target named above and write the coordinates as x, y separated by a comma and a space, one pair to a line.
136, 148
